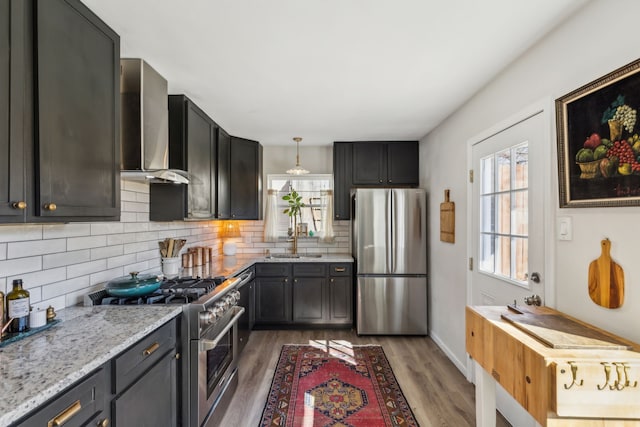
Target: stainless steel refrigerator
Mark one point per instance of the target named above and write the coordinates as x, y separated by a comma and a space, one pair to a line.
389, 239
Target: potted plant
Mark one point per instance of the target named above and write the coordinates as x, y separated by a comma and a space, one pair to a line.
295, 204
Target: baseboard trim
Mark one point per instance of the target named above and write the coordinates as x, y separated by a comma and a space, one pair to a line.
462, 366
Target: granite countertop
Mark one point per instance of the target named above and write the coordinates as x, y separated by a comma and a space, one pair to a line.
40, 366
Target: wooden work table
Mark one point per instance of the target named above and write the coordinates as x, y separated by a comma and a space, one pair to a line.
592, 384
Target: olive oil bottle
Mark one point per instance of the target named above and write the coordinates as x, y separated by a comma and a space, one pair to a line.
18, 308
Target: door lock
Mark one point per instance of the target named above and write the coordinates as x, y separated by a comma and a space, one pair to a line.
533, 300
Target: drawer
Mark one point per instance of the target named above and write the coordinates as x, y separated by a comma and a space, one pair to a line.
79, 405
311, 269
276, 269
340, 269
135, 361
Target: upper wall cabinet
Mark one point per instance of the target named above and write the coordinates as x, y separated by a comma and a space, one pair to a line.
371, 164
385, 163
192, 147
60, 112
245, 179
223, 194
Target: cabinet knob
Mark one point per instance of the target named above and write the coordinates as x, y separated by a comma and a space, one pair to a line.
295, 280
380, 181
331, 280
50, 206
19, 205
103, 423
390, 180
285, 280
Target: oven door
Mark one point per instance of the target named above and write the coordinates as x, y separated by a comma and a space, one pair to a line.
214, 361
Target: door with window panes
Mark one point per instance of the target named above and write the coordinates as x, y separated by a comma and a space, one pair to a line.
508, 220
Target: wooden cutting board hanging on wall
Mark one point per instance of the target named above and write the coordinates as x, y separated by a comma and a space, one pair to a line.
447, 219
606, 279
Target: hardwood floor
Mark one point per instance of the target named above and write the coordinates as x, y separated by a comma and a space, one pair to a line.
438, 393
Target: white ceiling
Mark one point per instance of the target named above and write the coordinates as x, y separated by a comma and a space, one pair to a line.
329, 70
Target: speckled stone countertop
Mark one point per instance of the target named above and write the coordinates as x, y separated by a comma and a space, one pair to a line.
232, 265
38, 367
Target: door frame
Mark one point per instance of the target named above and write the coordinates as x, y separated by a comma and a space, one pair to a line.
545, 107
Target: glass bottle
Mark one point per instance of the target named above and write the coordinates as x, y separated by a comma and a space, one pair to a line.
18, 308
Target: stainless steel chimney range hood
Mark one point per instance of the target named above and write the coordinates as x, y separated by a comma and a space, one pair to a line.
145, 124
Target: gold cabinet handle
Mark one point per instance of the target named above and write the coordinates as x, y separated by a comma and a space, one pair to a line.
340, 269
103, 423
50, 206
64, 416
153, 347
19, 205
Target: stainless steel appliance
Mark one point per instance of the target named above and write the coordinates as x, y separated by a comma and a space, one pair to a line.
389, 232
208, 341
247, 300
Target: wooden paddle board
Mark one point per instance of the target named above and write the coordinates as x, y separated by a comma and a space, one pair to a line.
606, 279
447, 220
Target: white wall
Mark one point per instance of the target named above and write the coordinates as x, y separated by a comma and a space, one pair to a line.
582, 49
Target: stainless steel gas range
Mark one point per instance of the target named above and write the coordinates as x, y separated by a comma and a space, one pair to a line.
209, 340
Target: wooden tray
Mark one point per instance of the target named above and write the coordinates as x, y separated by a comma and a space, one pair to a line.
558, 331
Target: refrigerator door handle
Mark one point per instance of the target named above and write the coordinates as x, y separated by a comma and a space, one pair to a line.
390, 233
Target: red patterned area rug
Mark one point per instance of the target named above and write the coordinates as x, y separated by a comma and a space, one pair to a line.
335, 384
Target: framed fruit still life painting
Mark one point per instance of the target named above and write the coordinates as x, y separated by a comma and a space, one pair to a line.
599, 142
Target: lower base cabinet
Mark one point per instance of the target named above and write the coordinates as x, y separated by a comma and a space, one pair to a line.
137, 388
304, 294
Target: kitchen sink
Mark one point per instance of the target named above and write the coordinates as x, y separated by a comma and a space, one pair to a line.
287, 256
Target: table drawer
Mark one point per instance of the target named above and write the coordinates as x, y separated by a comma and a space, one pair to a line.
132, 363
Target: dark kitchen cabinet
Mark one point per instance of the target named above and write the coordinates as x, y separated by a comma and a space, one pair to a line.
145, 384
342, 179
192, 147
64, 114
309, 293
273, 293
223, 193
303, 294
385, 163
83, 404
245, 179
248, 301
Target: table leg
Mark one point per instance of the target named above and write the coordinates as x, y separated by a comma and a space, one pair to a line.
485, 398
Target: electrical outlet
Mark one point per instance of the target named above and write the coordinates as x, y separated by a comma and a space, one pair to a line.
565, 229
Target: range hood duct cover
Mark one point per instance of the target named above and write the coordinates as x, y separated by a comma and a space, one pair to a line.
145, 124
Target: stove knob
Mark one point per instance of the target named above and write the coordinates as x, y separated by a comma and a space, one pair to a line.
230, 301
207, 317
219, 310
236, 295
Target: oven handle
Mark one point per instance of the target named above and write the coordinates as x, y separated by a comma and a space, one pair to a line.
206, 345
245, 278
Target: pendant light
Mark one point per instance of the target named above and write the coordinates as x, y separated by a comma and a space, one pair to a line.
298, 170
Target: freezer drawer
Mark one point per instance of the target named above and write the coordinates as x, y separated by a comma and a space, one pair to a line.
391, 306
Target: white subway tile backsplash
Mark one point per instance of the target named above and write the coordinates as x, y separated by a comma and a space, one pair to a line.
136, 186
3, 251
35, 247
136, 227
121, 260
107, 252
42, 277
147, 255
107, 228
106, 275
128, 196
128, 217
142, 198
86, 268
119, 239
147, 236
131, 248
135, 207
35, 293
60, 288
66, 258
20, 233
57, 303
58, 231
138, 266
13, 267
142, 216
75, 243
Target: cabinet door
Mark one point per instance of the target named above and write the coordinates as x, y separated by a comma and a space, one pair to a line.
201, 163
369, 163
12, 73
402, 163
342, 179
223, 193
340, 300
246, 322
246, 179
152, 400
309, 299
273, 300
83, 404
77, 110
